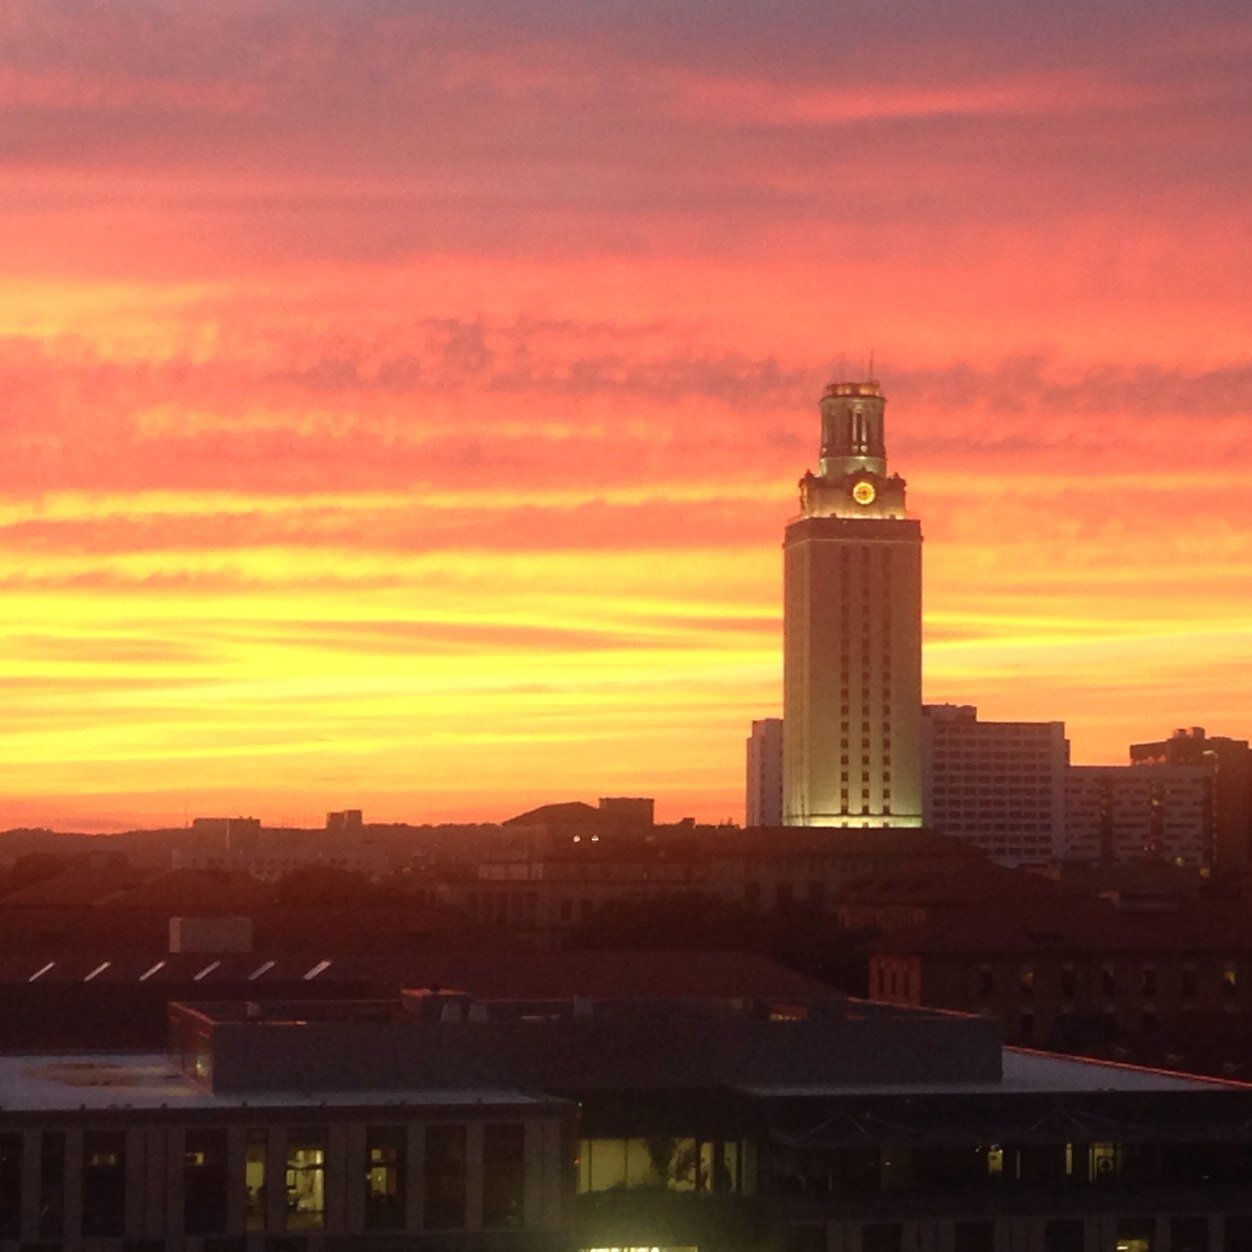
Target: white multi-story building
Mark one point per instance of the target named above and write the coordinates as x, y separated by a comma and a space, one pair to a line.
1138, 812
998, 785
764, 805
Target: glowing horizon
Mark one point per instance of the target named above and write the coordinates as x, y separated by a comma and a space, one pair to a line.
402, 405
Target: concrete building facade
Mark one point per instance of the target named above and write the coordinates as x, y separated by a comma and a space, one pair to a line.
1139, 812
997, 785
1231, 763
764, 806
852, 630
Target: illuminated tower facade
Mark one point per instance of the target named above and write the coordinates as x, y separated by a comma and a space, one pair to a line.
852, 634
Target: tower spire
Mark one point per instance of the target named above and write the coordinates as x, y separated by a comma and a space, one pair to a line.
852, 478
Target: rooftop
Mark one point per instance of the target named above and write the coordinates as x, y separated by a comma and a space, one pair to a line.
1030, 1073
149, 1080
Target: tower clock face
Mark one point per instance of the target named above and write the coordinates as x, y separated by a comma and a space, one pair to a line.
864, 493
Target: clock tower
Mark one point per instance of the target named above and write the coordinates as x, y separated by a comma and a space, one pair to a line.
852, 634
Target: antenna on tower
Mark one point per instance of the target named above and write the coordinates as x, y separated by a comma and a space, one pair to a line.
871, 365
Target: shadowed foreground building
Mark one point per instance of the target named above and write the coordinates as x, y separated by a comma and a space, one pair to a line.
852, 630
440, 1121
1165, 982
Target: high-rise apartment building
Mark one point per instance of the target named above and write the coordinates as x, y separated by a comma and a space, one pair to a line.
998, 785
1139, 812
852, 635
1230, 761
765, 776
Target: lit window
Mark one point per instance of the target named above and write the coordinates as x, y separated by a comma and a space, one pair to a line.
385, 1177
1103, 1162
254, 1178
306, 1179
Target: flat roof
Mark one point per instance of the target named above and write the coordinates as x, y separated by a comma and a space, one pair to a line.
1028, 1073
150, 1080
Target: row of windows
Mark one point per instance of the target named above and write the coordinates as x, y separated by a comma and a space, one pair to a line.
1005, 804
208, 1181
994, 784
1026, 837
1105, 980
1014, 763
951, 1169
721, 1167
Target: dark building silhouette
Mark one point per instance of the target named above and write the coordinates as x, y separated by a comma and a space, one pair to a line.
1230, 761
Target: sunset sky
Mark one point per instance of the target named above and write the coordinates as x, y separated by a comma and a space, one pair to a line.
401, 402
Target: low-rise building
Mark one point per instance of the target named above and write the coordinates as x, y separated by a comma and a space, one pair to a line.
1166, 982
761, 870
439, 1120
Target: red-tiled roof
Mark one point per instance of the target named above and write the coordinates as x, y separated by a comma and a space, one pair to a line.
81, 883
193, 891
